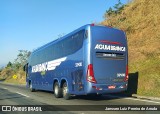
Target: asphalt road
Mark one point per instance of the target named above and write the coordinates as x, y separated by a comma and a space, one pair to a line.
19, 95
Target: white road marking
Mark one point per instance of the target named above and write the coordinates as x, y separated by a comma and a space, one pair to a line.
4, 88
142, 100
136, 99
22, 94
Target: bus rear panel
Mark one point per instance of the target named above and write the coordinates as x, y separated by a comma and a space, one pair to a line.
107, 70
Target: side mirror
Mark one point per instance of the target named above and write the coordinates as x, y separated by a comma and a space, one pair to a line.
24, 67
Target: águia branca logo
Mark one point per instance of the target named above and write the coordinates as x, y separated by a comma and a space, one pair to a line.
108, 46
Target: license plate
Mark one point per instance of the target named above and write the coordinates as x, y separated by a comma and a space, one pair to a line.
111, 87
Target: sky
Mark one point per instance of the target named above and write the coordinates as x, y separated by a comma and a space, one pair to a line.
29, 24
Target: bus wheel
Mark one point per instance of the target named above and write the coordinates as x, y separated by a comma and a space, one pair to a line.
66, 95
31, 87
57, 90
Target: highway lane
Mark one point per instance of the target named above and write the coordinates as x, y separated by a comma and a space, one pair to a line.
18, 95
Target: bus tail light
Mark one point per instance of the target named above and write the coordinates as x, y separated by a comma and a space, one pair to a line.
90, 74
92, 24
126, 76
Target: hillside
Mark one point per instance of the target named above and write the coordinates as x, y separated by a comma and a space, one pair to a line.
13, 72
140, 19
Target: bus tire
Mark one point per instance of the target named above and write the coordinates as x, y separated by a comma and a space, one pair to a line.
57, 90
66, 95
31, 87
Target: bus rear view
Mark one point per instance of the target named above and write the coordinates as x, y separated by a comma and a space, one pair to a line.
107, 69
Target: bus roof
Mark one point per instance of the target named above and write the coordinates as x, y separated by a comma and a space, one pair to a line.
61, 38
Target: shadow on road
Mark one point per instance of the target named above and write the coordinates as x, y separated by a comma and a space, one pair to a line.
94, 98
132, 83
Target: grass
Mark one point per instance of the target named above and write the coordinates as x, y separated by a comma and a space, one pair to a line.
6, 75
14, 81
149, 81
140, 20
2, 79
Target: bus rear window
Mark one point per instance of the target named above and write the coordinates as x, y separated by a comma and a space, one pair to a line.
110, 55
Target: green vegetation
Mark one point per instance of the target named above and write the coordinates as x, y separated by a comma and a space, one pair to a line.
140, 20
15, 68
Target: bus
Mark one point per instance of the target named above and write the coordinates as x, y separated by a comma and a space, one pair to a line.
92, 59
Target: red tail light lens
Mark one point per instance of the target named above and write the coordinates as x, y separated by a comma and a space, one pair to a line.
92, 24
126, 77
90, 74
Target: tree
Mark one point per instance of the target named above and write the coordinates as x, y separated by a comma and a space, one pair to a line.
117, 8
110, 11
1, 69
9, 65
21, 59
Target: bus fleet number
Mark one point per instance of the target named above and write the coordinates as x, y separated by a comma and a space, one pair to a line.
78, 64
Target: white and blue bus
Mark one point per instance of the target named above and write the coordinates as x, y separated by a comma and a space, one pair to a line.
90, 60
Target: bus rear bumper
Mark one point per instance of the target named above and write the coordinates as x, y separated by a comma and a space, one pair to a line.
106, 88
